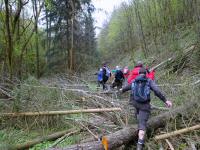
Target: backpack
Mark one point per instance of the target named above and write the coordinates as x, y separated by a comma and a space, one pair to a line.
141, 89
119, 75
108, 72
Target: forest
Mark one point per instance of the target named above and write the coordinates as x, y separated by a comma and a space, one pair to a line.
51, 59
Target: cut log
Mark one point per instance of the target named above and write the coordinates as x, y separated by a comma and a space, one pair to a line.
174, 133
45, 138
42, 113
128, 134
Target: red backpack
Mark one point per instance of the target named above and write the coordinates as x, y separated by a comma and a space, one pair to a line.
151, 75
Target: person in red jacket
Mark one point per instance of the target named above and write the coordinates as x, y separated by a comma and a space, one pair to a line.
135, 72
126, 72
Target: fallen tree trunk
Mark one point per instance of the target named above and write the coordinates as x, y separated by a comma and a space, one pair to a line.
42, 113
157, 66
174, 133
45, 138
128, 134
185, 51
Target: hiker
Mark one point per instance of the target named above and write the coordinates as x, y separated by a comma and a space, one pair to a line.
106, 75
100, 77
140, 99
135, 72
126, 73
119, 78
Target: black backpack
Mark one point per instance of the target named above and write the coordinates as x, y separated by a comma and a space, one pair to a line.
141, 89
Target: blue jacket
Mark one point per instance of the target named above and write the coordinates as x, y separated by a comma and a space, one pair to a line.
100, 75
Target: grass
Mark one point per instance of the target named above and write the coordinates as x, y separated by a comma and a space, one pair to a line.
11, 137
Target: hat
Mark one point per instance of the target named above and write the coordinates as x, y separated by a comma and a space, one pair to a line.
142, 71
139, 63
126, 67
117, 67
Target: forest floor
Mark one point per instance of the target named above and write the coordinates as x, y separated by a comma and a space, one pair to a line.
63, 93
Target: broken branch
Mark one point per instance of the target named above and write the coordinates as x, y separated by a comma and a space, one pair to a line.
174, 133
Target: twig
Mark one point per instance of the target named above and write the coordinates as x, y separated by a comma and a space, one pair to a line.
159, 108
191, 143
62, 138
195, 83
170, 145
95, 136
6, 93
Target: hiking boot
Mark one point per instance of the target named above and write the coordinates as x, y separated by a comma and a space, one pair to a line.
139, 147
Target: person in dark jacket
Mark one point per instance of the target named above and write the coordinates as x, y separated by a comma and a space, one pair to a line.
143, 108
106, 74
119, 78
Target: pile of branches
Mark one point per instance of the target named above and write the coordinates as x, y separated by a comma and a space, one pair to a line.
64, 93
61, 93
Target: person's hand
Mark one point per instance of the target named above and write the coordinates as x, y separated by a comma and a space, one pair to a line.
168, 103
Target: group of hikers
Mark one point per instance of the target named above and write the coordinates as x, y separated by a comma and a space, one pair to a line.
141, 82
121, 76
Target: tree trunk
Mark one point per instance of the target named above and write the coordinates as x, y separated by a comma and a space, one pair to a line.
71, 51
128, 134
42, 113
35, 8
145, 50
9, 46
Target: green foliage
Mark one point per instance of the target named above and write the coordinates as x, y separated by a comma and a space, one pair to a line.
154, 23
43, 145
84, 41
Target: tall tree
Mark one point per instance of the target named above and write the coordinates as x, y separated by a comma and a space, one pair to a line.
9, 47
37, 6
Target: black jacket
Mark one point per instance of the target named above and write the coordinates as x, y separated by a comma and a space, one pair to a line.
119, 75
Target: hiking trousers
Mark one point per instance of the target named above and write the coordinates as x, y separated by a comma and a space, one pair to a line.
142, 113
117, 83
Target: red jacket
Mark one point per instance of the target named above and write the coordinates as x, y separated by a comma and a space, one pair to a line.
135, 72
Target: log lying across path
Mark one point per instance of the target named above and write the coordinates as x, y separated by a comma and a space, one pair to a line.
43, 113
128, 134
174, 133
